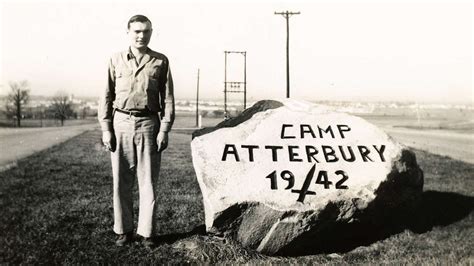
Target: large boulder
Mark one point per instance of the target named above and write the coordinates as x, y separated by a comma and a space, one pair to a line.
290, 177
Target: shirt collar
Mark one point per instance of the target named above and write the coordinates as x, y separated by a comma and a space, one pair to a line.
130, 55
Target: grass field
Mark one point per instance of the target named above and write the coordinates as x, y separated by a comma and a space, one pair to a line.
56, 207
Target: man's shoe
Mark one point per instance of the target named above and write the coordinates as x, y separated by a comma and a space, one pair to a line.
148, 242
124, 239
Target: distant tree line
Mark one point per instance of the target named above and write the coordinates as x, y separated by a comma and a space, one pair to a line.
61, 107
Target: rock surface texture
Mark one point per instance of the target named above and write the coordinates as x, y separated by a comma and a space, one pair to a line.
292, 178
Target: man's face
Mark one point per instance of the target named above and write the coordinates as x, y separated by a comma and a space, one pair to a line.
140, 34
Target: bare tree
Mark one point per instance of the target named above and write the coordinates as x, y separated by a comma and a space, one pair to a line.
62, 107
16, 100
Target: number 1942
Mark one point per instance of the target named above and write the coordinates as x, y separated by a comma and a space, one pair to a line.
322, 179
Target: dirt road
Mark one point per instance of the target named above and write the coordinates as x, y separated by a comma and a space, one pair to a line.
459, 146
18, 143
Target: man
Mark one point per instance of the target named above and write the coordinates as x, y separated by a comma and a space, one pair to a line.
136, 112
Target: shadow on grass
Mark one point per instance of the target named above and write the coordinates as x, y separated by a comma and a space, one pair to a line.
440, 209
171, 238
434, 209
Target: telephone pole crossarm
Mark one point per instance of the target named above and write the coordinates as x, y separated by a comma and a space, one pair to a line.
287, 14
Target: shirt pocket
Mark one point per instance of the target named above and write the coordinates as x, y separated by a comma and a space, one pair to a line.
153, 72
123, 77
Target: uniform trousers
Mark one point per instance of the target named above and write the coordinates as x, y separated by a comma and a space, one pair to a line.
135, 157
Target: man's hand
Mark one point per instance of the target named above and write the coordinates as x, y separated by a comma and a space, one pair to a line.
108, 138
162, 141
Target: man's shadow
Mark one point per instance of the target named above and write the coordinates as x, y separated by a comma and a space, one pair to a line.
434, 209
172, 238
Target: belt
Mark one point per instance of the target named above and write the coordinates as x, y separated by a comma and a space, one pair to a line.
142, 113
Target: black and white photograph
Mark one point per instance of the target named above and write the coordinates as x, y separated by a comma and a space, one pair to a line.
236, 132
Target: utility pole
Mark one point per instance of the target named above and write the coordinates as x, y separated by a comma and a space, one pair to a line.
235, 86
287, 14
197, 101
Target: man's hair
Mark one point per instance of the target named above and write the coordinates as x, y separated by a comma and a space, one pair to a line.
138, 18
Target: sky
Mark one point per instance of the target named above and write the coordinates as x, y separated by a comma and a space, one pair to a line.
339, 50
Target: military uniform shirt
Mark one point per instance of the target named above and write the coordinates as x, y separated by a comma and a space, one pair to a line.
147, 86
